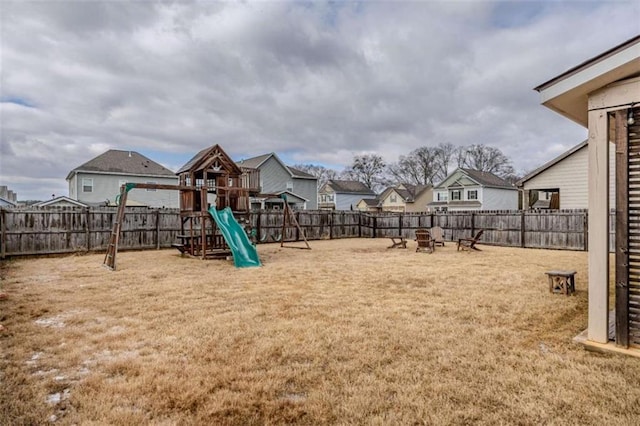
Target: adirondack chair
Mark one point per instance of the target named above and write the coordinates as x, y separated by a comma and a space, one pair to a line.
425, 242
470, 243
438, 235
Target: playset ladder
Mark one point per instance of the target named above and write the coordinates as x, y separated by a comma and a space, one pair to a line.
112, 248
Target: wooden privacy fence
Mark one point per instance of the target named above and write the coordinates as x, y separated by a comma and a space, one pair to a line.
71, 230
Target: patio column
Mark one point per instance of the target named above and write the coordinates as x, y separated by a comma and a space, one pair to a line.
598, 328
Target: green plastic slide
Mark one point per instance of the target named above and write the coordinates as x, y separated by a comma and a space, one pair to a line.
244, 252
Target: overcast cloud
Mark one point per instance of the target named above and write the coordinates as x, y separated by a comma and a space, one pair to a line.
314, 82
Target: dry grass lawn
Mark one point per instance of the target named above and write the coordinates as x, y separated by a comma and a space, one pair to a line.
347, 333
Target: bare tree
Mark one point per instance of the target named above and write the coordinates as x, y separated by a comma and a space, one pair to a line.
418, 168
322, 173
445, 154
487, 159
368, 169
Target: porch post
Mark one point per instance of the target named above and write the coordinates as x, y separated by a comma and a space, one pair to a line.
598, 328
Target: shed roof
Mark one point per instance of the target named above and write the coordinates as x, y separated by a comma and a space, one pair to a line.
60, 200
123, 162
567, 94
4, 201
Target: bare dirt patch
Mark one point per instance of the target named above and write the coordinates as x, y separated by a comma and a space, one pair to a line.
346, 333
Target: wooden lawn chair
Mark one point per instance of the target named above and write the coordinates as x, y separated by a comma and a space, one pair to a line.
425, 242
438, 236
470, 243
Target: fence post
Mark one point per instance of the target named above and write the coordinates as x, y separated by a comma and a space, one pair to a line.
359, 224
585, 230
296, 215
157, 229
522, 225
3, 233
375, 227
258, 226
431, 220
87, 229
473, 224
330, 221
400, 216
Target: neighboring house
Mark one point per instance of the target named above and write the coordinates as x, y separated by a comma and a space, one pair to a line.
562, 183
406, 198
278, 179
7, 203
368, 205
343, 194
98, 181
467, 189
60, 202
603, 95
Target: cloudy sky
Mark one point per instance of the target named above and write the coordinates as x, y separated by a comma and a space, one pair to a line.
317, 82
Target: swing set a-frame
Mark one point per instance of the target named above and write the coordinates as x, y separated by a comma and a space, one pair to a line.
289, 220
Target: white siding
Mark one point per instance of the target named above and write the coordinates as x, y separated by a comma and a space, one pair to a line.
570, 176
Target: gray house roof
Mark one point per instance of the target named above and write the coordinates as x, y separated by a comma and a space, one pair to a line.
123, 162
256, 162
553, 162
349, 187
411, 192
300, 174
487, 179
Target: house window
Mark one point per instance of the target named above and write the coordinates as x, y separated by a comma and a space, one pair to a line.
289, 186
393, 198
326, 198
443, 196
87, 185
151, 189
455, 195
472, 195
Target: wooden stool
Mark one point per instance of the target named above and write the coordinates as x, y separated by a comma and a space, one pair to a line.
562, 281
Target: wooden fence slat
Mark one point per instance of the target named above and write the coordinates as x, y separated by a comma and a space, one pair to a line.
40, 231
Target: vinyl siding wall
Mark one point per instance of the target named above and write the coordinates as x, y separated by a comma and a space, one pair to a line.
346, 201
499, 199
571, 176
275, 178
107, 187
307, 188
